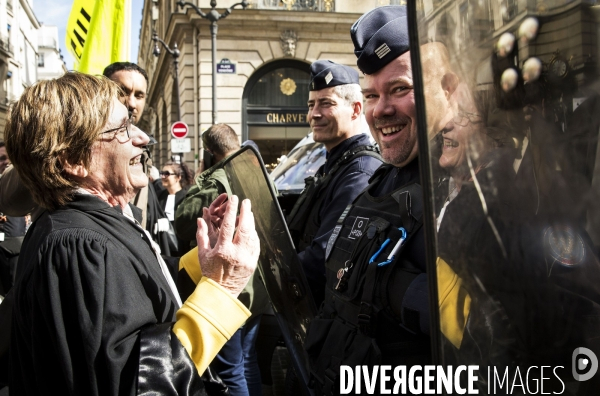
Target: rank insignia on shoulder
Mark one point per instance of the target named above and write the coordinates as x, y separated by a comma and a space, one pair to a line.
344, 214
564, 245
331, 241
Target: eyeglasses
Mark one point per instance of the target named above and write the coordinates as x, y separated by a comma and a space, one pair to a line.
166, 174
126, 125
463, 118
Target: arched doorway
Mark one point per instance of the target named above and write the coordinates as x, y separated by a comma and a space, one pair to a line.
274, 107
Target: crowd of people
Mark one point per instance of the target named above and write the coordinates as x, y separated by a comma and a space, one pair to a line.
132, 280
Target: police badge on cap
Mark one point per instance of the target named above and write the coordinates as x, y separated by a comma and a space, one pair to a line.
380, 36
326, 74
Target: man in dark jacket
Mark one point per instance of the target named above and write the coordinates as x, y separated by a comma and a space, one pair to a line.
335, 117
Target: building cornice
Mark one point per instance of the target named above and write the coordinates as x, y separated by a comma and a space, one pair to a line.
236, 26
310, 20
30, 13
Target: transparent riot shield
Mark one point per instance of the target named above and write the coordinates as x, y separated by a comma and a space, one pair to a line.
278, 262
509, 114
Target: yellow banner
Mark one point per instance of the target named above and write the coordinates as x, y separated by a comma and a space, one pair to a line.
99, 33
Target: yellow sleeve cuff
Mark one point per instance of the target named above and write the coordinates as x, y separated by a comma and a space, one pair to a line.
207, 319
191, 264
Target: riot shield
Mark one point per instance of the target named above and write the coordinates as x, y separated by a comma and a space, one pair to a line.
278, 262
508, 135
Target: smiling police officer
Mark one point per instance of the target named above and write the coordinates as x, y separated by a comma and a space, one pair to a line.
335, 116
376, 302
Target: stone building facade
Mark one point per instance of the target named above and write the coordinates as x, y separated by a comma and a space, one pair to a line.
568, 59
263, 57
18, 52
50, 60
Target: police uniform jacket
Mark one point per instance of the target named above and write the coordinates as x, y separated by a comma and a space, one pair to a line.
347, 183
416, 298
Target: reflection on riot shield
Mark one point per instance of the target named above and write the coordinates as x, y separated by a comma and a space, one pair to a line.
278, 263
515, 175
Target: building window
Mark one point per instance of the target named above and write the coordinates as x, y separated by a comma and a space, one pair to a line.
510, 9
40, 60
296, 5
285, 86
275, 108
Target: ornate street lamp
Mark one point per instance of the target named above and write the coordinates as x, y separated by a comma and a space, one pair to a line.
213, 16
175, 54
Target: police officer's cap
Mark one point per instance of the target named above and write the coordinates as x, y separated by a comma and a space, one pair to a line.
326, 74
380, 36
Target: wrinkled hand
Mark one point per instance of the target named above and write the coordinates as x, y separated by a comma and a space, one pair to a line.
232, 258
213, 216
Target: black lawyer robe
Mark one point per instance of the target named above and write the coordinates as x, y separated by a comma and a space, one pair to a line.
93, 311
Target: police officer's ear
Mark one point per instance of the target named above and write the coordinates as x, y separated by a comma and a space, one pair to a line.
357, 110
449, 83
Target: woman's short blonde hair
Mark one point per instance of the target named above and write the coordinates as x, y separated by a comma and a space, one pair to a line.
53, 122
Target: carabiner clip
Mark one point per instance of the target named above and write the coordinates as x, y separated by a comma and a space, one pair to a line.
392, 254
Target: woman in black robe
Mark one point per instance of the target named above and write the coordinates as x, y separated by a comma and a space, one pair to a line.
96, 311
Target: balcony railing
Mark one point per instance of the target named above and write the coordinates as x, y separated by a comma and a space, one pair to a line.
47, 42
294, 5
7, 99
5, 45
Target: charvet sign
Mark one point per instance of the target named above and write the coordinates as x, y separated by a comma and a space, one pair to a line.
286, 118
282, 117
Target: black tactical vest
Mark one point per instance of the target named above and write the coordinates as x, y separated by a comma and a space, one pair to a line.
362, 321
303, 220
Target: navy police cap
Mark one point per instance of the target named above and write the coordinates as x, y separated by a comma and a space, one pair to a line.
325, 74
380, 36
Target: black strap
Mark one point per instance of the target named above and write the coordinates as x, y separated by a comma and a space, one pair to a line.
358, 151
367, 313
348, 156
315, 184
404, 285
410, 210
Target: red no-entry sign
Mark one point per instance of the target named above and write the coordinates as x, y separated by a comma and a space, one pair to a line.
179, 129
